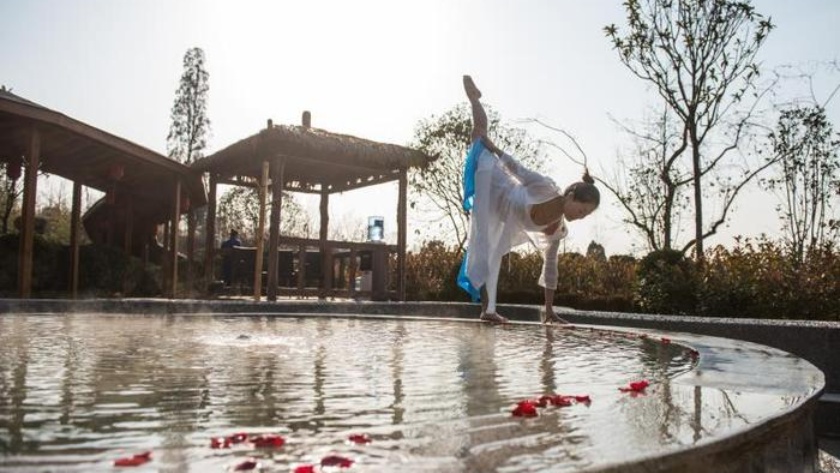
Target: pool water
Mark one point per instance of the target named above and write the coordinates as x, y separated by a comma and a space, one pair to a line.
79, 391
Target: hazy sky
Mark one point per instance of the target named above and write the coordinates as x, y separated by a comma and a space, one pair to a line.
371, 69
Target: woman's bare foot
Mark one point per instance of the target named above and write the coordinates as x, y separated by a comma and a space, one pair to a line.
472, 91
493, 318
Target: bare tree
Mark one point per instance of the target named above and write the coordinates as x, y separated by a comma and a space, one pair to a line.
700, 55
440, 185
9, 193
808, 152
239, 209
651, 182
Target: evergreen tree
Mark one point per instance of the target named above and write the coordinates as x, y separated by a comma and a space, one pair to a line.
190, 125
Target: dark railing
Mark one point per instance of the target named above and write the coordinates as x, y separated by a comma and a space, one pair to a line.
307, 269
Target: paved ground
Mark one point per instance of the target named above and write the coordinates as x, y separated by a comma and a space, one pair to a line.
829, 455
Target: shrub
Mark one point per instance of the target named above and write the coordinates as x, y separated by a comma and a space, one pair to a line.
103, 271
667, 283
761, 280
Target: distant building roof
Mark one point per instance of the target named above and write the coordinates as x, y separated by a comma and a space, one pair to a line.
315, 159
85, 154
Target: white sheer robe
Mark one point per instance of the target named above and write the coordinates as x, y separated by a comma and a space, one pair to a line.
505, 191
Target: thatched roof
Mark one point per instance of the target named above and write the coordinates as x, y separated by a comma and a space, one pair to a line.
314, 159
85, 154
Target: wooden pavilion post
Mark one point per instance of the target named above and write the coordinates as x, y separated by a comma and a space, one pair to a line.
173, 241
165, 255
190, 250
326, 260
127, 235
401, 233
129, 227
210, 229
27, 230
258, 257
75, 221
274, 227
351, 273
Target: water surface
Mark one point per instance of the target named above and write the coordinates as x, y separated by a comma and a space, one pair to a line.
78, 391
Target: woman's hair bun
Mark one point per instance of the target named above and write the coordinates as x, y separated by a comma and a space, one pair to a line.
587, 178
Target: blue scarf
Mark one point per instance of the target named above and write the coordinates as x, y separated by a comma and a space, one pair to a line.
470, 166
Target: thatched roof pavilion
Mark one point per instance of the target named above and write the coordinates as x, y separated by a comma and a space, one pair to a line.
305, 159
143, 188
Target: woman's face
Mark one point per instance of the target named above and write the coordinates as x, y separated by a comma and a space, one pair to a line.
574, 210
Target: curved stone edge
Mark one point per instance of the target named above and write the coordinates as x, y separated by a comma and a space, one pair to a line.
784, 441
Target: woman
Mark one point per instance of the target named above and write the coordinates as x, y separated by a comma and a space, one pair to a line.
510, 205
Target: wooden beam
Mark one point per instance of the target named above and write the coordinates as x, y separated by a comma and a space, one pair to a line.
401, 233
347, 245
258, 258
75, 228
237, 182
274, 228
210, 235
371, 181
173, 240
27, 231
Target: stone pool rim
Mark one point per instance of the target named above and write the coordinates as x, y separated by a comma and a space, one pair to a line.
731, 450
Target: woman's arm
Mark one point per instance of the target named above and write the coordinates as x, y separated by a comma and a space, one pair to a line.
548, 315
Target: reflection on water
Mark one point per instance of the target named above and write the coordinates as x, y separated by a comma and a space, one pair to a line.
78, 391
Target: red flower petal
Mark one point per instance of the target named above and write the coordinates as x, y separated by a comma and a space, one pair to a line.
217, 442
135, 460
246, 465
562, 401
336, 460
525, 409
584, 399
268, 441
543, 401
636, 387
305, 469
360, 438
238, 437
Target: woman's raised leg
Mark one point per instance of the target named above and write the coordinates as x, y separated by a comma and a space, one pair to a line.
479, 122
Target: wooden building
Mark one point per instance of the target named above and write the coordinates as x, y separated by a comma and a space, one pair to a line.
310, 160
143, 188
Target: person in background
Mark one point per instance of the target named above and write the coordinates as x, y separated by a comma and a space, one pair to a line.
227, 258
